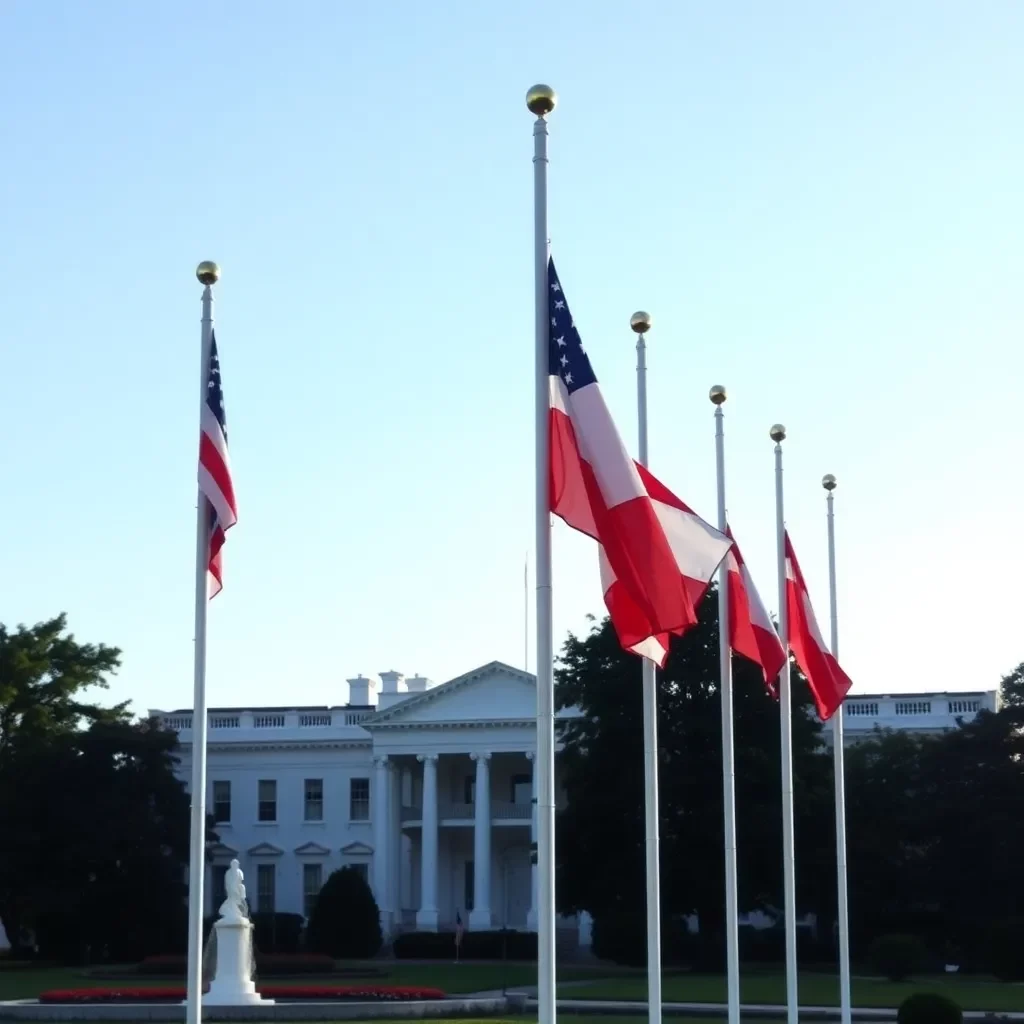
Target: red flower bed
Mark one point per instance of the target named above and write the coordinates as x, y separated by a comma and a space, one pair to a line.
326, 993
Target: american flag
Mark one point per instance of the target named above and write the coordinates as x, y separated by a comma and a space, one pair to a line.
656, 556
215, 473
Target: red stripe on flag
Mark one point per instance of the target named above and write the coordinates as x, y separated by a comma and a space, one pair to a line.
829, 683
214, 463
650, 597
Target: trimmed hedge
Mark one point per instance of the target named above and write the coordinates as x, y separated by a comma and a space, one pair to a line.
622, 939
277, 933
489, 945
929, 1008
898, 957
267, 965
1006, 950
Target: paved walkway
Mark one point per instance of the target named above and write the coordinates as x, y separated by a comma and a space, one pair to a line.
627, 1008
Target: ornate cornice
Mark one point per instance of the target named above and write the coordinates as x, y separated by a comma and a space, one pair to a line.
249, 746
494, 723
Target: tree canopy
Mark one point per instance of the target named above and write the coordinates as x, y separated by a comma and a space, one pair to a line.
934, 822
601, 829
94, 820
44, 673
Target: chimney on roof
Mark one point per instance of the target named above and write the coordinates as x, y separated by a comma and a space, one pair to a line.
417, 684
392, 682
362, 692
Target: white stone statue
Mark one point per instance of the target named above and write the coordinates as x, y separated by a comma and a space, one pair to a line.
233, 983
234, 906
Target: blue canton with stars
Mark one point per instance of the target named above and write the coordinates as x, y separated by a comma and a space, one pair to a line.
214, 394
567, 358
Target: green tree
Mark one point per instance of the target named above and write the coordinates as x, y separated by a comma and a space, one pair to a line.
345, 922
95, 824
601, 829
935, 824
44, 676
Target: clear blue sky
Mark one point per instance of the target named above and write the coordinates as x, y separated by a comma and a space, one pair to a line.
820, 204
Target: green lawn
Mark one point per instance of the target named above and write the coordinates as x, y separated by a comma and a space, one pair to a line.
815, 990
604, 983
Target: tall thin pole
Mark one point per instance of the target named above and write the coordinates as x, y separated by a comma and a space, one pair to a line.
732, 933
641, 324
526, 612
778, 434
540, 100
839, 771
207, 274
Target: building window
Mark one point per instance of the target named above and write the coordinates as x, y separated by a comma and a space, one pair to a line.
862, 709
521, 789
469, 789
362, 870
359, 800
470, 885
312, 879
267, 800
221, 802
964, 707
914, 707
266, 888
314, 800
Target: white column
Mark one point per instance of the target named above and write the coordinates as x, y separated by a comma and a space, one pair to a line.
381, 821
531, 916
426, 916
395, 844
480, 915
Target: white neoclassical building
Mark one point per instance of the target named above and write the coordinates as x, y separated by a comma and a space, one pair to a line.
426, 789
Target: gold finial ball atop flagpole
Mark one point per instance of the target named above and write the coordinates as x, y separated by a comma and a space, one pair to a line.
777, 433
541, 100
208, 272
828, 481
640, 322
717, 394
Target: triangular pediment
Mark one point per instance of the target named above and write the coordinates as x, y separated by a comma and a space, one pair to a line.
312, 850
357, 849
265, 850
492, 693
221, 851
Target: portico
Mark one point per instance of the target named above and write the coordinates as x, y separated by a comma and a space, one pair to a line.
454, 815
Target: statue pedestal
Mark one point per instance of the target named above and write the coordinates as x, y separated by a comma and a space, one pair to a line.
232, 985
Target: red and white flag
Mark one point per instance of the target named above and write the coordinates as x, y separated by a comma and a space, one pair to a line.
215, 473
657, 558
829, 683
751, 631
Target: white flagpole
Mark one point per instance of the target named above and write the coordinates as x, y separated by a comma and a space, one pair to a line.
526, 612
732, 935
838, 757
778, 434
540, 100
207, 273
641, 324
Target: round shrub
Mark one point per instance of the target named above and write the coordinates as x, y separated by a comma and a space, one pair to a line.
1006, 950
345, 922
620, 936
929, 1008
897, 957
